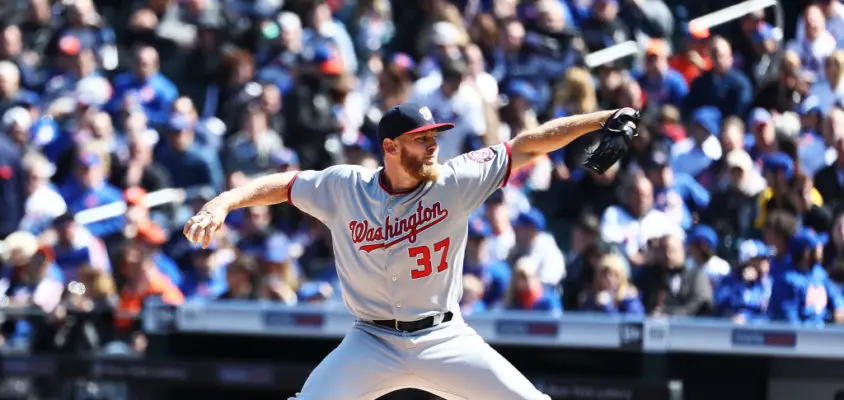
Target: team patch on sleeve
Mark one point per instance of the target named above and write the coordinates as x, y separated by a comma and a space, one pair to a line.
481, 155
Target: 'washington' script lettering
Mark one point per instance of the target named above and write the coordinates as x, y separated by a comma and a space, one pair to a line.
397, 230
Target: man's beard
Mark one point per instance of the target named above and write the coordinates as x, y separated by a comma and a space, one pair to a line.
418, 169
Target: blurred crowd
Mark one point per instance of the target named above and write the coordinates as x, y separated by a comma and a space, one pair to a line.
730, 202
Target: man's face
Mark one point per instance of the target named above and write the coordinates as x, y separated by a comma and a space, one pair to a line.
146, 63
515, 36
11, 44
674, 253
732, 138
524, 235
765, 132
655, 64
641, 198
418, 155
723, 56
815, 22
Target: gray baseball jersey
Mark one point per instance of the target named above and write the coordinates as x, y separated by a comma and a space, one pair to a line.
400, 255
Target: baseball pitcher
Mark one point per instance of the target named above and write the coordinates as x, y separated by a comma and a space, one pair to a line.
399, 236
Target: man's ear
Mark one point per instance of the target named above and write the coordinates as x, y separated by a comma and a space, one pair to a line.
390, 147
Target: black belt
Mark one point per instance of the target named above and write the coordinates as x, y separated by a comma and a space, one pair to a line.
412, 326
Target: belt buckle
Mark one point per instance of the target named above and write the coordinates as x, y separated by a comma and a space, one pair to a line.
396, 323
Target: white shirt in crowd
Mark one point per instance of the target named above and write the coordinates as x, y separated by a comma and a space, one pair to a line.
41, 207
632, 234
464, 109
551, 264
834, 24
813, 54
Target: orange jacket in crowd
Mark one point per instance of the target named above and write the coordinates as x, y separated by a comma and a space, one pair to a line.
131, 302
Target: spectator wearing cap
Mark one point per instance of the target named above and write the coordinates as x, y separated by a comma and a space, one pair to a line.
693, 155
829, 181
11, 92
668, 287
695, 58
82, 64
145, 86
733, 205
744, 294
16, 125
454, 101
677, 195
811, 149
527, 291
494, 275
539, 246
205, 277
816, 44
762, 139
148, 235
803, 292
280, 280
324, 30
88, 188
75, 247
184, 160
611, 291
43, 202
29, 279
778, 169
702, 247
631, 225
663, 84
724, 86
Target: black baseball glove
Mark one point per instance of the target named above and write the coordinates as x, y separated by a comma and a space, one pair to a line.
617, 132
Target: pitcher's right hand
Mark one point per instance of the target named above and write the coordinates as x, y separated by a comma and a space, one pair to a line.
202, 226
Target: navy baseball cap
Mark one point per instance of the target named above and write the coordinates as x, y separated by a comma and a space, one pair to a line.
408, 118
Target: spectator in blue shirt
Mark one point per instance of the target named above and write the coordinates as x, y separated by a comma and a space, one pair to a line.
494, 275
662, 83
181, 157
804, 293
611, 291
694, 154
744, 294
527, 292
88, 188
145, 86
724, 87
205, 278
